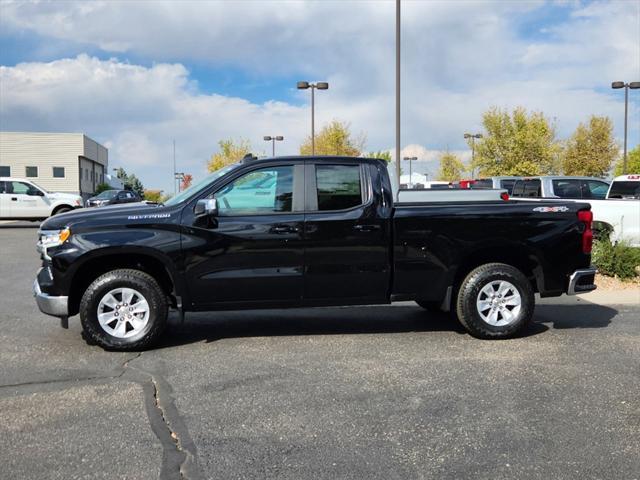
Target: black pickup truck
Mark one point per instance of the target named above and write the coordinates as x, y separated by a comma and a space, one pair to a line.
307, 232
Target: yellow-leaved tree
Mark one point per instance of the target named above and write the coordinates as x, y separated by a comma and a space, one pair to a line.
451, 167
591, 149
516, 143
230, 152
335, 139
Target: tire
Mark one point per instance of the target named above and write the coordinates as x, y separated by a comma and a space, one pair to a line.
432, 307
123, 310
502, 315
61, 210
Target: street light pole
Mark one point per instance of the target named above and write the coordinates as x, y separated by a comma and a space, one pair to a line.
473, 137
626, 86
398, 94
320, 86
410, 171
273, 139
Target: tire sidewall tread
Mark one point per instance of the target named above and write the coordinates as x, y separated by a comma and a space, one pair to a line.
140, 281
470, 287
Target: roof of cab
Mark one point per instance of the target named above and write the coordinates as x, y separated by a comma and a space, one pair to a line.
632, 177
316, 158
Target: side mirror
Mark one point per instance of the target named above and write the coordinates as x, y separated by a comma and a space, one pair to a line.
206, 207
34, 192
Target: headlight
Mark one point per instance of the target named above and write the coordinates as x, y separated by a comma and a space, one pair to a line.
51, 238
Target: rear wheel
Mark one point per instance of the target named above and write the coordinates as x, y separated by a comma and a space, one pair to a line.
495, 301
123, 310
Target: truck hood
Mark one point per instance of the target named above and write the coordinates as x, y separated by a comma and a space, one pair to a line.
69, 197
109, 214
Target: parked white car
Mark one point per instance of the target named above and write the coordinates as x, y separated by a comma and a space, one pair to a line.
625, 187
21, 199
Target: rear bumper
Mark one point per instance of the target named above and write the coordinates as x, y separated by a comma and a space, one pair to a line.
582, 281
51, 305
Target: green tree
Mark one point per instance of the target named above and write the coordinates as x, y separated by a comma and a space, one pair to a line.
101, 187
155, 196
381, 154
130, 181
591, 149
335, 139
230, 152
633, 162
516, 143
451, 168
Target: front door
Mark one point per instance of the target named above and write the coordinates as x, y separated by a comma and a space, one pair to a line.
251, 252
347, 241
25, 200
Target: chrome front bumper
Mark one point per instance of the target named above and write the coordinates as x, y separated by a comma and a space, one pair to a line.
582, 281
56, 306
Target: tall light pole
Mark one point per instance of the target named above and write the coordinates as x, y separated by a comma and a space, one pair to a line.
398, 94
174, 167
626, 86
473, 137
268, 138
410, 172
313, 86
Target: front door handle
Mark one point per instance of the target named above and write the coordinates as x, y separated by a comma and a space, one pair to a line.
283, 229
366, 228
14, 199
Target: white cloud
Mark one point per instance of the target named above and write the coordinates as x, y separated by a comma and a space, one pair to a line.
459, 58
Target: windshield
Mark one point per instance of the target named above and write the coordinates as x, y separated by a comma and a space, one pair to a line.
43, 189
107, 194
212, 177
625, 190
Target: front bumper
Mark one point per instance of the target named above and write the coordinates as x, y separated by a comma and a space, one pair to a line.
582, 281
51, 305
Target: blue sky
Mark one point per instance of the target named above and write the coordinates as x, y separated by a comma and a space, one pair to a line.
136, 75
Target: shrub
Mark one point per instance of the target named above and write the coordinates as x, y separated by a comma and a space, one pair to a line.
101, 187
616, 260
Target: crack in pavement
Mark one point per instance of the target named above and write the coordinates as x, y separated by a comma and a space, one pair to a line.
179, 451
179, 454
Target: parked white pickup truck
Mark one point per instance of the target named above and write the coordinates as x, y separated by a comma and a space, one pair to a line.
22, 199
619, 212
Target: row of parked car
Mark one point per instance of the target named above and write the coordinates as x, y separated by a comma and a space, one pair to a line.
22, 199
615, 205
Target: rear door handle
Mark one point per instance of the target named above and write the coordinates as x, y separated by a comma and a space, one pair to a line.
366, 228
14, 199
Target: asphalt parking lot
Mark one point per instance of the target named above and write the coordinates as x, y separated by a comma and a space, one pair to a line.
356, 393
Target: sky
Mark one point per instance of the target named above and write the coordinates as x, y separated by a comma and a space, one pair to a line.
137, 75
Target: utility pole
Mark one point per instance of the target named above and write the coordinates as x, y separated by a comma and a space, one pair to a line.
398, 92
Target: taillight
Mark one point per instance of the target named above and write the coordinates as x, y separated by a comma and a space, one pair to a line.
586, 217
504, 196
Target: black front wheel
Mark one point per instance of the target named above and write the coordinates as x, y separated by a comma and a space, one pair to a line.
495, 301
123, 310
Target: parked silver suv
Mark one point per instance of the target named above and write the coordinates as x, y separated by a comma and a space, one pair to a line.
561, 187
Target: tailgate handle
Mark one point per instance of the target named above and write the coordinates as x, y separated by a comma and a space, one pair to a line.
366, 228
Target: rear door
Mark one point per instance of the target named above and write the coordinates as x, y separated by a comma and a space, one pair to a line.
346, 240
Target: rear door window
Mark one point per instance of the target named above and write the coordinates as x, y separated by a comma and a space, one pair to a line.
339, 186
567, 188
532, 188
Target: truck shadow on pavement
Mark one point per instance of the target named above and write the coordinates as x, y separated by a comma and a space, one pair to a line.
213, 326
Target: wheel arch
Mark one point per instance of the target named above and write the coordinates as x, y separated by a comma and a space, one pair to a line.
104, 260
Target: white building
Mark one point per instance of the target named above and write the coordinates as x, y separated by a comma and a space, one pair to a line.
58, 162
